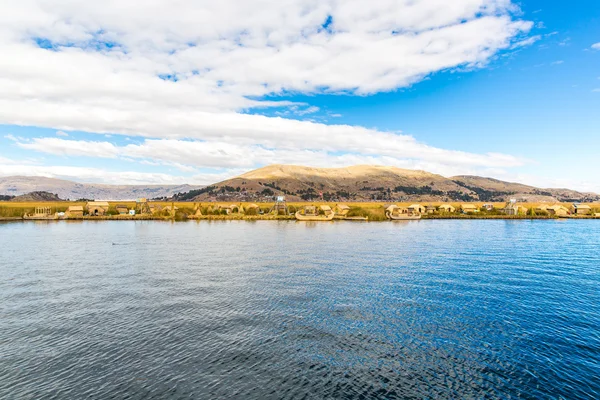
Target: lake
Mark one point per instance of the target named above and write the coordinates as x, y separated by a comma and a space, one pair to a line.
258, 310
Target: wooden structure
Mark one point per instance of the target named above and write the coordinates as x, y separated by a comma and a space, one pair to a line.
97, 208
280, 207
143, 207
41, 213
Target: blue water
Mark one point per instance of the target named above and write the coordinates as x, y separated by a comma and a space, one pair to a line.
259, 310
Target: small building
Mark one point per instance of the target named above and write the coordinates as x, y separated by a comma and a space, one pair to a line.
488, 207
469, 208
122, 209
557, 210
97, 208
74, 212
581, 209
430, 209
416, 209
447, 208
542, 208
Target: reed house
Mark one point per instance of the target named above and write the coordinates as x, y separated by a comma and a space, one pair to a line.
97, 208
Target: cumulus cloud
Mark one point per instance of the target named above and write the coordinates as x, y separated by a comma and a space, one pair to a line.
596, 46
184, 78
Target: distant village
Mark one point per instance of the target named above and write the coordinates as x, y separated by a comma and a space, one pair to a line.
280, 208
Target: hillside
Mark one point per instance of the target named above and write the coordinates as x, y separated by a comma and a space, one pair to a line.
371, 183
37, 196
18, 185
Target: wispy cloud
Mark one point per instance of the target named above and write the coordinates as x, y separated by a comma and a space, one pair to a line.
596, 46
61, 133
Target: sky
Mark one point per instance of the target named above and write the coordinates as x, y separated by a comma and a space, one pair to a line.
195, 91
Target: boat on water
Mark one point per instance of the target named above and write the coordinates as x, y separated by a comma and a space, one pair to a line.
312, 213
396, 213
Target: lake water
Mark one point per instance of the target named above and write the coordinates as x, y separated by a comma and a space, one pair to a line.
258, 310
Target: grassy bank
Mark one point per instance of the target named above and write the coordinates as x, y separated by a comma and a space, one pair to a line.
214, 211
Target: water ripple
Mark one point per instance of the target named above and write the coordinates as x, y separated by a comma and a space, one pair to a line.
430, 309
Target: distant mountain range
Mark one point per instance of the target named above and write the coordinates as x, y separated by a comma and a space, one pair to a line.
297, 183
373, 183
19, 185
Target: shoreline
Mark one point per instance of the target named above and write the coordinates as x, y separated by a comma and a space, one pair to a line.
289, 218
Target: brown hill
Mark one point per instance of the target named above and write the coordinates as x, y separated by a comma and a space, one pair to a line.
37, 196
370, 183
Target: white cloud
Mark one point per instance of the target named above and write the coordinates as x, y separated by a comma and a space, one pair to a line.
596, 46
184, 76
61, 133
558, 62
367, 147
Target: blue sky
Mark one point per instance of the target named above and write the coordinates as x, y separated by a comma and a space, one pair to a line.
487, 87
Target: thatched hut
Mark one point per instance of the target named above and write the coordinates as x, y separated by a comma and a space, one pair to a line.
122, 209
557, 210
416, 209
341, 210
97, 208
430, 209
469, 208
326, 210
447, 208
74, 212
395, 210
581, 209
251, 209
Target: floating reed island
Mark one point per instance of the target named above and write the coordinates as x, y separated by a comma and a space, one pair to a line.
142, 209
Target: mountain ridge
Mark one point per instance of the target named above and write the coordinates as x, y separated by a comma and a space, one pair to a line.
65, 189
372, 183
301, 183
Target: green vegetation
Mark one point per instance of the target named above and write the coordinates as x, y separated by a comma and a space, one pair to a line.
374, 214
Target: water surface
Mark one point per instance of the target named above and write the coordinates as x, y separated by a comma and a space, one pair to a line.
254, 310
